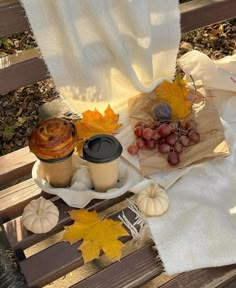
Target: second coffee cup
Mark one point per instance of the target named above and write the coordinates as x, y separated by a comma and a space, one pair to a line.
103, 152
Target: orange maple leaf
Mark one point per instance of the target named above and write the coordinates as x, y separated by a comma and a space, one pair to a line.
175, 94
97, 234
93, 123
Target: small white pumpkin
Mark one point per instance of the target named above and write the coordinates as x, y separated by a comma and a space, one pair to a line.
40, 215
153, 200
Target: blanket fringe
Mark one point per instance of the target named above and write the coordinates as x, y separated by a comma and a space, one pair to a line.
140, 235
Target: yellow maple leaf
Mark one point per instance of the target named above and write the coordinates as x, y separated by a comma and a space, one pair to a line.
93, 123
175, 94
97, 234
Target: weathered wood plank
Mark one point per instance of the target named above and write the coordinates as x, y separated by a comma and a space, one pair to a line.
57, 260
200, 13
194, 14
9, 196
15, 165
21, 70
133, 271
21, 239
231, 284
15, 198
12, 18
20, 57
204, 278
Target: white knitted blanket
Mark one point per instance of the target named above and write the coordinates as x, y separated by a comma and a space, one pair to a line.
199, 229
100, 51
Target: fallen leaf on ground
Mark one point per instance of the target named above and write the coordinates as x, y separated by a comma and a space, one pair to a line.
175, 94
97, 234
93, 123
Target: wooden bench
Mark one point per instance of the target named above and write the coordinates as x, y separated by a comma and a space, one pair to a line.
59, 258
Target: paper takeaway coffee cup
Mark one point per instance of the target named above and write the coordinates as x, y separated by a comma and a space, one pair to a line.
53, 142
103, 153
57, 172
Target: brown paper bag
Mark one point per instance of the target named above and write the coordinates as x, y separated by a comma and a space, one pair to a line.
211, 145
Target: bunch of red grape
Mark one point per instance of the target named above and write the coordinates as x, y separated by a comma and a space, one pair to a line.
168, 137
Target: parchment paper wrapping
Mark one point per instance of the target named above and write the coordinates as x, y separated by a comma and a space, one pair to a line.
211, 145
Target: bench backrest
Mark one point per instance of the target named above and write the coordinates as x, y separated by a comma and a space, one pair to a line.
27, 67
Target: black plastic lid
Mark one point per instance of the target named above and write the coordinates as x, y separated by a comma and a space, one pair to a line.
101, 148
56, 160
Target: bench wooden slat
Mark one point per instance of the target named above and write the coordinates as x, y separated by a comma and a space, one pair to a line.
9, 196
133, 271
200, 13
12, 18
57, 260
50, 264
194, 14
15, 165
15, 198
20, 238
231, 284
23, 69
209, 277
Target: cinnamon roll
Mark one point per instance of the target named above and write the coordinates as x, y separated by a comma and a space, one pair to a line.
53, 138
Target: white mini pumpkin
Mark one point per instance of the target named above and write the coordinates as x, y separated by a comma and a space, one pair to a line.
153, 200
40, 215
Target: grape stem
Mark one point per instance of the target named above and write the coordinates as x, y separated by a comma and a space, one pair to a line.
195, 88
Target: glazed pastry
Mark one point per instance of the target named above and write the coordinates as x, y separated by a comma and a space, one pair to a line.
53, 138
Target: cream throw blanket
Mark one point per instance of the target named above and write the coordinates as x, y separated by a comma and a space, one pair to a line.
199, 229
104, 51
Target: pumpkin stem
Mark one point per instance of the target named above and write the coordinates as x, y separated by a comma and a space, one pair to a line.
40, 209
153, 192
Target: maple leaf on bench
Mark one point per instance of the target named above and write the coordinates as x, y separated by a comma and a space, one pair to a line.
97, 234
